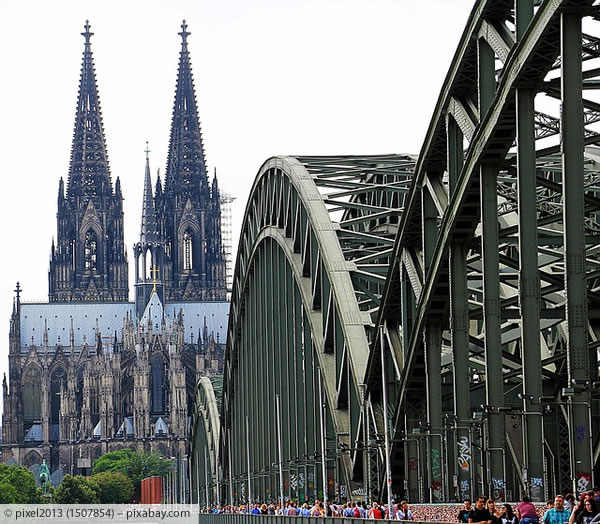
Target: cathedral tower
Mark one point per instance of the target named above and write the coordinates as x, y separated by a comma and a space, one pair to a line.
189, 208
149, 252
89, 261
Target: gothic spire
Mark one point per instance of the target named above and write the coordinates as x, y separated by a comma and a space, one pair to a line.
158, 188
215, 187
89, 173
149, 225
186, 169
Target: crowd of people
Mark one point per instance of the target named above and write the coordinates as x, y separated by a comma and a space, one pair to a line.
359, 510
562, 510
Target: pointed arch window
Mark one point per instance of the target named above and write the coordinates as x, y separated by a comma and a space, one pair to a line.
149, 264
188, 257
32, 395
158, 386
90, 250
140, 266
72, 247
57, 382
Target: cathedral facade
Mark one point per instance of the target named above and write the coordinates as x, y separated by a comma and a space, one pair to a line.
89, 371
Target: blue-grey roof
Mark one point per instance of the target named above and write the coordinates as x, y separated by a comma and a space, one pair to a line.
109, 317
194, 313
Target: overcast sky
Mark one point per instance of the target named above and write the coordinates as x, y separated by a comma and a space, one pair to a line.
272, 77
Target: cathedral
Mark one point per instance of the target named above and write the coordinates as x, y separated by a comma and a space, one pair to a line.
89, 371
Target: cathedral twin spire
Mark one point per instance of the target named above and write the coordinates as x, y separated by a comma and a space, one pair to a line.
89, 173
180, 238
180, 254
88, 261
186, 168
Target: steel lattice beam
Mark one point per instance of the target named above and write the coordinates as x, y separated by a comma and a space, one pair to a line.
488, 264
312, 263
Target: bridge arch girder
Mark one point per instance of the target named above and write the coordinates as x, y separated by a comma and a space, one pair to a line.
305, 290
497, 249
205, 471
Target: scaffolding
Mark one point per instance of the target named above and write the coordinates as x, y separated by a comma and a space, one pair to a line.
227, 237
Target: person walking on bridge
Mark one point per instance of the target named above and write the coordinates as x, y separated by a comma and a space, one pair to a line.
558, 514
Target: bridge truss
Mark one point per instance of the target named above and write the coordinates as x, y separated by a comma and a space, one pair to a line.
311, 266
490, 312
473, 270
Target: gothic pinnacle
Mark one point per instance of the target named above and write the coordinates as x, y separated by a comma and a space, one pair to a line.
184, 32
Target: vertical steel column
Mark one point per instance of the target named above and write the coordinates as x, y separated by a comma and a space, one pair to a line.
433, 366
248, 452
459, 327
491, 282
486, 76
429, 227
323, 437
386, 430
529, 295
578, 357
230, 470
433, 359
523, 15
492, 323
412, 463
529, 285
280, 448
408, 308
197, 481
206, 478
365, 440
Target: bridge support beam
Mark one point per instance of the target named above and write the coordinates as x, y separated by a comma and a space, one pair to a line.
492, 323
575, 263
435, 459
459, 330
529, 296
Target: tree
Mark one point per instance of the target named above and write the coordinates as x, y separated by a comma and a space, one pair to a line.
77, 490
114, 487
17, 485
136, 466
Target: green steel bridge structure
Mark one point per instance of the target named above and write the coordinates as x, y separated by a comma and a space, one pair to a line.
428, 326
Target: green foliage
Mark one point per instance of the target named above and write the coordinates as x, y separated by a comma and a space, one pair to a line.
136, 466
112, 461
17, 485
113, 487
8, 493
77, 490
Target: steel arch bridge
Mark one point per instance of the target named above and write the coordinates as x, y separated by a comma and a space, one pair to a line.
313, 255
473, 270
204, 440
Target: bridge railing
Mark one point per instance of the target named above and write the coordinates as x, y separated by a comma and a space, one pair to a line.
205, 518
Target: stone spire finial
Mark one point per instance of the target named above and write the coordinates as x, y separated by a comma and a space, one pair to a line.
87, 34
184, 32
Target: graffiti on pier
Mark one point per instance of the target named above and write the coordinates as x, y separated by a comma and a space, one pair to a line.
436, 469
584, 482
537, 490
580, 434
464, 453
465, 489
412, 464
498, 489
